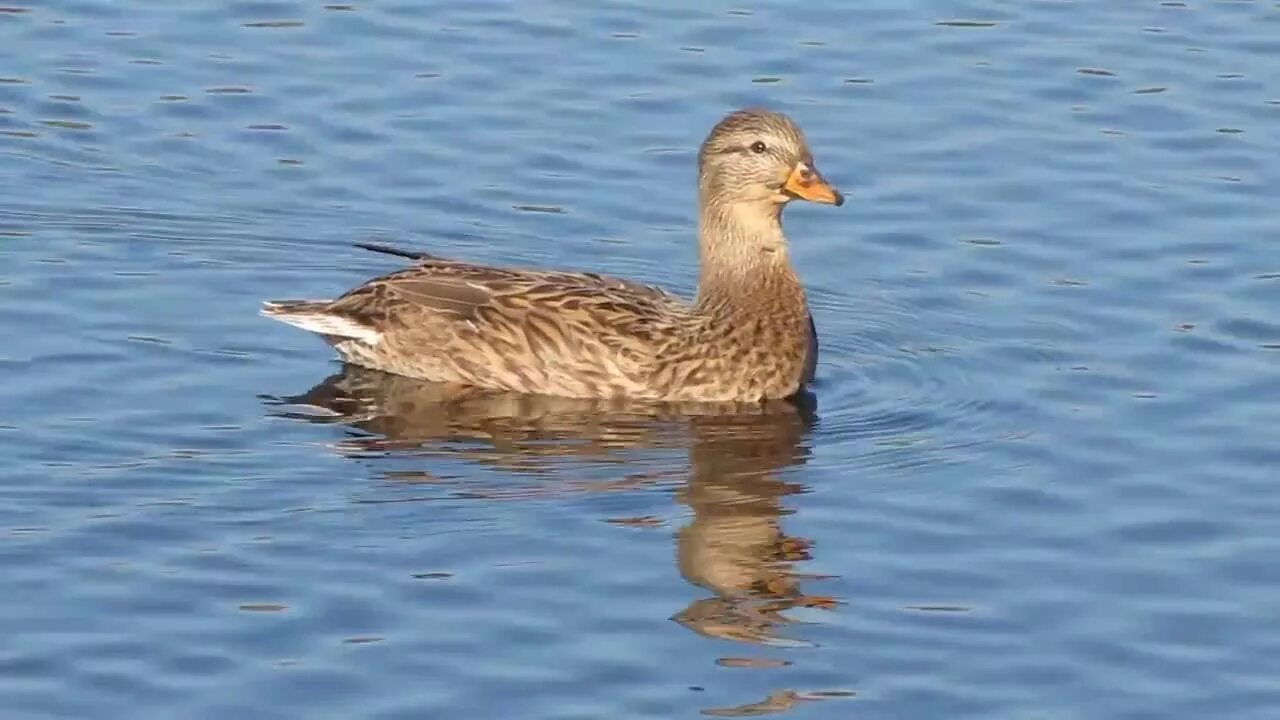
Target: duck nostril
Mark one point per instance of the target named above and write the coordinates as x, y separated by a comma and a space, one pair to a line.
806, 174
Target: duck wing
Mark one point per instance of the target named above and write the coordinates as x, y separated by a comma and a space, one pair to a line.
461, 291
527, 330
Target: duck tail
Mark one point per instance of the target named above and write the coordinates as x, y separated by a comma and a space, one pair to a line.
317, 316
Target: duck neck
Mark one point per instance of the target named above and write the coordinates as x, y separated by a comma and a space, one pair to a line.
742, 252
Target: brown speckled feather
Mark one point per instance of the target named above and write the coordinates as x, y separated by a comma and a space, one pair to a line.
570, 334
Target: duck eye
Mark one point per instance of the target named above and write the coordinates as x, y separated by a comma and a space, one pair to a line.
758, 147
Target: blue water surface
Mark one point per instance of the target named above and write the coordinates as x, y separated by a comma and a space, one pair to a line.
1038, 479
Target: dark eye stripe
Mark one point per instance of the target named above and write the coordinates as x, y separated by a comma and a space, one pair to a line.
742, 149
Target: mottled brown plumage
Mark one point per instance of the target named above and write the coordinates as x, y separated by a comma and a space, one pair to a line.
748, 336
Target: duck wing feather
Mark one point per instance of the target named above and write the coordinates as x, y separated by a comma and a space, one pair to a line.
527, 330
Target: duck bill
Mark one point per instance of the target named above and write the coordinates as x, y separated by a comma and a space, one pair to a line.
807, 183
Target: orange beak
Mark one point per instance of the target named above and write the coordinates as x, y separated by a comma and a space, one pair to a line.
807, 183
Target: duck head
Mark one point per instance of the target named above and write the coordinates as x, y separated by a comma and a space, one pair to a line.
760, 156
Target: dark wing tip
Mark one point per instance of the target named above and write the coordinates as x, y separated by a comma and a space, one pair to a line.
390, 250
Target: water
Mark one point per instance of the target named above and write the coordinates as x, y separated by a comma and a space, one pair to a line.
1037, 479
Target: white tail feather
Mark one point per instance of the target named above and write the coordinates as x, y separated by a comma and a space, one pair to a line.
322, 323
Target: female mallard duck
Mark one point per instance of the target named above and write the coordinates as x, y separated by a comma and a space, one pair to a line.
747, 337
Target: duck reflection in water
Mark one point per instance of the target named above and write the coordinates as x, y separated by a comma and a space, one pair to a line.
734, 545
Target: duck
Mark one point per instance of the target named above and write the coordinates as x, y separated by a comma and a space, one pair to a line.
746, 337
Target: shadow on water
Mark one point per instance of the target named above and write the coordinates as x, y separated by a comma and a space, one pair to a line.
734, 545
